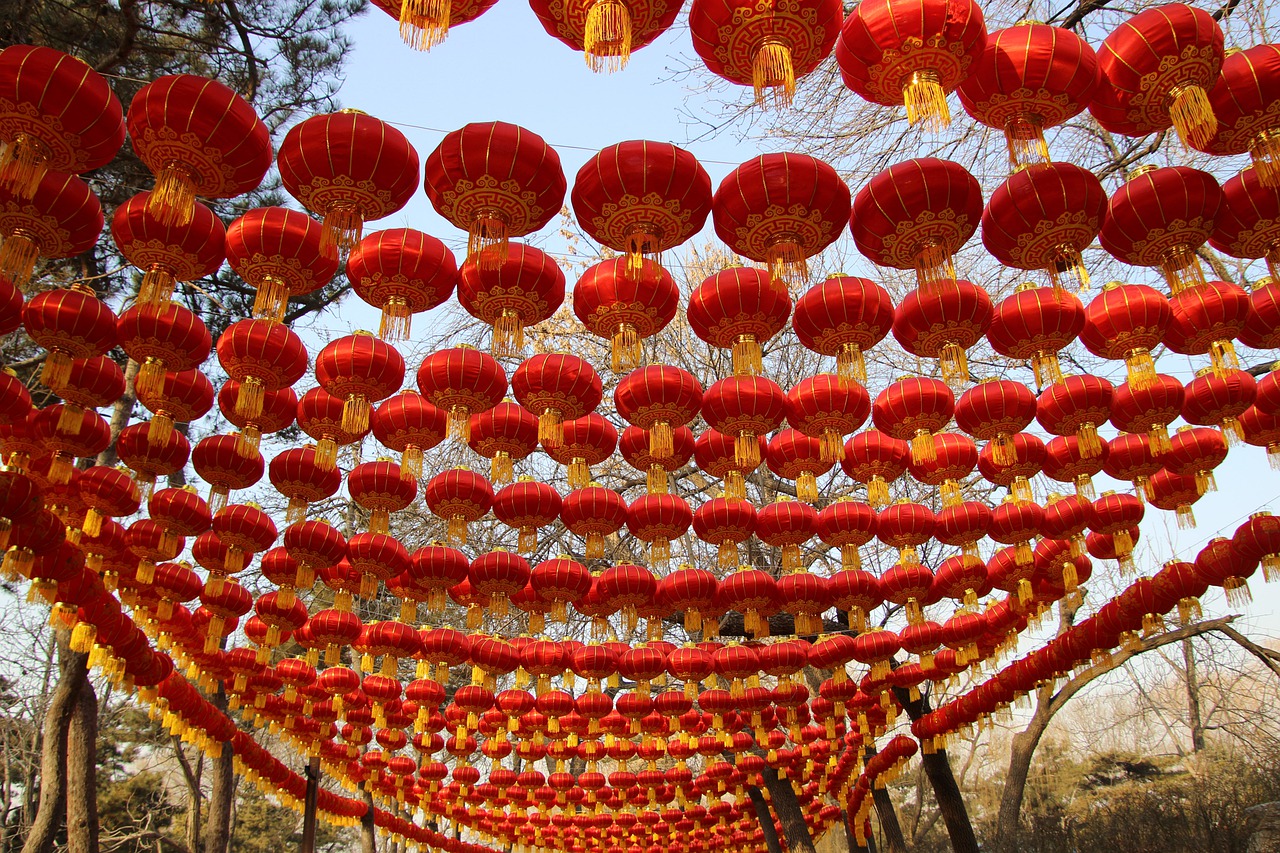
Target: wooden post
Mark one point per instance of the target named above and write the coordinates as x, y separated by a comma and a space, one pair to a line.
309, 807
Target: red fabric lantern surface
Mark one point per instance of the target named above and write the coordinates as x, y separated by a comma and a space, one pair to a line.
1076, 406
844, 317
1148, 409
1043, 217
320, 415
781, 209
747, 408
409, 425
942, 323
380, 488
1028, 452
634, 447
527, 505
263, 356
1127, 321
754, 594
658, 398
1206, 318
641, 197
963, 525
787, 524
912, 54
495, 181
1248, 223
955, 457
625, 305
70, 324
498, 575
593, 513
740, 309
658, 520
197, 137
245, 530
625, 588
584, 442
563, 582
725, 522
909, 586
350, 168
1263, 329
1029, 78
278, 251
1129, 457
1241, 99
435, 568
691, 592
180, 512
1175, 493
994, 411
108, 493
913, 409
149, 461
458, 497
462, 382
606, 31
1259, 539
1158, 66
169, 339
1213, 399
765, 49
557, 388
1066, 462
1114, 515
827, 408
1195, 452
847, 524
185, 397
1160, 218
10, 306
875, 459
402, 272
220, 464
521, 291
504, 434
1222, 563
1261, 430
916, 215
167, 253
61, 219
15, 399
792, 455
425, 23
312, 545
56, 113
1177, 581
361, 370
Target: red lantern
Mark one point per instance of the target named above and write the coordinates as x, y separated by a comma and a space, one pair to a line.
692, 592
278, 251
436, 568
1263, 329
1030, 77
746, 408
403, 272
606, 31
498, 575
197, 137
740, 309
149, 461
1206, 318
1259, 539
625, 588
503, 434
1195, 452
462, 382
792, 455
827, 408
1076, 406
562, 581
725, 522
320, 415
911, 54
425, 23
1241, 100
350, 168
942, 323
752, 593
1129, 457
92, 383
1248, 223
55, 113
848, 525
1262, 430
1148, 409
844, 317
1175, 493
495, 181
1036, 323
1222, 563
108, 493
1160, 218
1043, 217
913, 409
557, 388
458, 497
409, 425
916, 215
1115, 515
626, 305
634, 447
523, 290
279, 410
1127, 321
994, 411
313, 546
963, 576
955, 457
593, 513
1218, 400
1066, 462
657, 399
263, 356
361, 370
781, 209
584, 442
1158, 66
526, 506
380, 488
787, 524
764, 48
659, 519
62, 219
90, 436
70, 324
220, 464
168, 339
876, 459
167, 253
908, 585
906, 526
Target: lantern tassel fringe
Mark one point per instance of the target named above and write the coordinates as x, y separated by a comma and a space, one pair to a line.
606, 40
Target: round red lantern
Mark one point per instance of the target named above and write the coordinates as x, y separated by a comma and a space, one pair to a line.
740, 309
527, 505
725, 522
827, 408
913, 409
787, 524
1129, 457
361, 370
1241, 100
625, 304
594, 513
658, 520
955, 457
462, 381
752, 593
167, 253
634, 447
1213, 399
1195, 452
792, 455
219, 463
876, 459
1175, 493
943, 322
503, 434
1206, 318
278, 251
171, 338
520, 291
70, 324
61, 220
844, 317
848, 525
1127, 321
458, 497
402, 272
606, 31
425, 23
1248, 223
1076, 406
562, 581
409, 425
747, 408
657, 399
380, 488
263, 356
498, 575
1066, 461
1148, 409
584, 442
556, 388
995, 410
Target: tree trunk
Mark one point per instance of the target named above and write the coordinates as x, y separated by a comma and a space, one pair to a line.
368, 832
195, 797
51, 811
766, 819
787, 807
309, 807
937, 768
217, 834
888, 817
850, 834
82, 774
1193, 697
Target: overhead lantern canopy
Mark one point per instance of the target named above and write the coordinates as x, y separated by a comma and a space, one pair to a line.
425, 23
1243, 101
198, 138
911, 53
1031, 77
764, 46
1158, 67
916, 215
606, 31
56, 113
349, 168
495, 181
279, 252
781, 209
403, 272
1043, 217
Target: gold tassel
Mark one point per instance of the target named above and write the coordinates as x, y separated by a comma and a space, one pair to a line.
735, 486
746, 450
922, 447
625, 350
1003, 452
657, 481
271, 299
1090, 445
595, 546
1084, 487
341, 228
1205, 482
1158, 436
850, 558
250, 398
727, 554
954, 364
1264, 149
355, 414
527, 541
1141, 368
1024, 140
926, 102
1223, 355
296, 511
508, 334
851, 364
457, 530
550, 432
70, 419
773, 69
661, 440
660, 552
878, 488
18, 254
60, 469
830, 445
950, 493
606, 41
1273, 456
150, 381
748, 358
1025, 591
1186, 517
1192, 116
23, 165
487, 245
380, 521
396, 319
173, 201
787, 263
326, 454
1270, 567
156, 288
792, 559
807, 487
934, 266
1181, 269
1237, 590
248, 441
1046, 367
425, 23
501, 468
